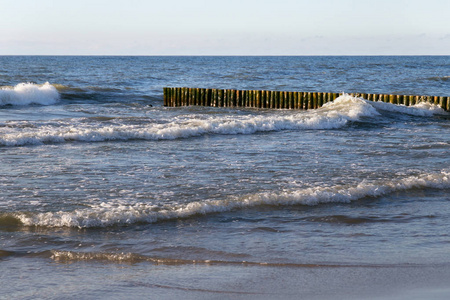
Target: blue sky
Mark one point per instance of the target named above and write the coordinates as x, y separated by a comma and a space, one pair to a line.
231, 27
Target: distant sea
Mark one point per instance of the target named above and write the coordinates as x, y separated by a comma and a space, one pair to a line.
107, 194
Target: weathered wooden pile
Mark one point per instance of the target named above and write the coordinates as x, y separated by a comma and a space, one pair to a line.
183, 96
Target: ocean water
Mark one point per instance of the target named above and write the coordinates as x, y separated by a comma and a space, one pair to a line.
106, 193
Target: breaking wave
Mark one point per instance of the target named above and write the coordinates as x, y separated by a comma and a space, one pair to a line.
332, 116
111, 214
423, 109
29, 93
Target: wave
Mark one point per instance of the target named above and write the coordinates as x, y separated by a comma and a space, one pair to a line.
29, 93
422, 109
112, 214
63, 256
332, 116
133, 258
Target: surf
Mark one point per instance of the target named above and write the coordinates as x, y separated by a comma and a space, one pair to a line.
336, 115
107, 214
29, 93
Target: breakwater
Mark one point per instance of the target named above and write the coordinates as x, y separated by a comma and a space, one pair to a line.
184, 96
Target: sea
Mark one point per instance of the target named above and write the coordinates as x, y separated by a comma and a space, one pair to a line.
105, 193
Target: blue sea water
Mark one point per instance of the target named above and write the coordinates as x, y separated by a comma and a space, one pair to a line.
106, 193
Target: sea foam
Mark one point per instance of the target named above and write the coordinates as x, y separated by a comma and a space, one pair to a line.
29, 93
113, 213
423, 109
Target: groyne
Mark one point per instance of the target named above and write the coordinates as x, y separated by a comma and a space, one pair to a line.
184, 96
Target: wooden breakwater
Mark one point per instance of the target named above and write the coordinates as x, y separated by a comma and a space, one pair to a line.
183, 96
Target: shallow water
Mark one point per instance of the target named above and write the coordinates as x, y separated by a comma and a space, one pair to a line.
106, 193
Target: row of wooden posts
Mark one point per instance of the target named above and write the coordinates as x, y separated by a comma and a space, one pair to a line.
183, 96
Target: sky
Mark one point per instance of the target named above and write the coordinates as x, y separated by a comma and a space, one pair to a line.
225, 27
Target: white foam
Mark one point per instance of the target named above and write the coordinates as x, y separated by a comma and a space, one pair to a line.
29, 93
331, 116
354, 108
107, 214
423, 109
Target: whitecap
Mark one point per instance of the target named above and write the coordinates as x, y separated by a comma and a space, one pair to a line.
29, 93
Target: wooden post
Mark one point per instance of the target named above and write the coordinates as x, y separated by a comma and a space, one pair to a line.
270, 97
441, 102
202, 97
246, 98
214, 97
182, 96
165, 96
392, 99
284, 100
411, 100
301, 97
233, 98
263, 99
320, 97
225, 98
221, 98
292, 100
207, 97
295, 95
171, 96
315, 100
280, 96
197, 97
174, 97
238, 98
230, 98
190, 95
289, 100
406, 100
274, 99
309, 101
